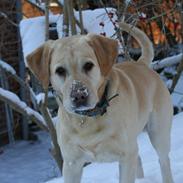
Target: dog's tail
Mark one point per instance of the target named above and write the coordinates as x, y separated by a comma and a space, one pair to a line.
147, 54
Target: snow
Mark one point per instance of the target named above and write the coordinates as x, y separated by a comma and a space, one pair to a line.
7, 67
31, 162
28, 161
40, 98
91, 21
108, 172
33, 30
38, 3
177, 96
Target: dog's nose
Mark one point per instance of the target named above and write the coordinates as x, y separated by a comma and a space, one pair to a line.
79, 94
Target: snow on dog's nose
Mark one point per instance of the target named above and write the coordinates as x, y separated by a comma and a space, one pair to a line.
79, 94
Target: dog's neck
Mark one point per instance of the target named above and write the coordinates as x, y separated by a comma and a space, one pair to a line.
101, 107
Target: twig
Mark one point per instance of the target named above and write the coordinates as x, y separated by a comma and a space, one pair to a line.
66, 14
7, 18
163, 14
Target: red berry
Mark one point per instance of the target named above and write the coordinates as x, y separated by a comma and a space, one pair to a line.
110, 14
103, 33
142, 18
101, 24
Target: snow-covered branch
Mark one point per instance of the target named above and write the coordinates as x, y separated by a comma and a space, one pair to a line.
14, 101
7, 67
167, 62
10, 70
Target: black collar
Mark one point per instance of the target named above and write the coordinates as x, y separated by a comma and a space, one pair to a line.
101, 107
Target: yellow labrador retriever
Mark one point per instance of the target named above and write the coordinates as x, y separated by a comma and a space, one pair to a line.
104, 106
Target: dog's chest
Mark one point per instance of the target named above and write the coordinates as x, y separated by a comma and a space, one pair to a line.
105, 151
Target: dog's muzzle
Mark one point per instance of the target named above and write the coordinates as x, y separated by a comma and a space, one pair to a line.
79, 94
101, 106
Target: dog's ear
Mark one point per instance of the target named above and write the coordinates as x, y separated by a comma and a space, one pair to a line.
106, 51
38, 62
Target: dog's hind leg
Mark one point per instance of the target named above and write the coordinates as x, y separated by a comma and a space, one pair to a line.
159, 135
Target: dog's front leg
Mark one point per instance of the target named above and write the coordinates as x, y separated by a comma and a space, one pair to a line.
128, 167
72, 171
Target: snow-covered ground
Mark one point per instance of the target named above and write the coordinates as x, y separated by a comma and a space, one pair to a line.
108, 172
27, 162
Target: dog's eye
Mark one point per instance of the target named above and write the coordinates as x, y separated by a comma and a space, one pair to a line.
88, 66
61, 71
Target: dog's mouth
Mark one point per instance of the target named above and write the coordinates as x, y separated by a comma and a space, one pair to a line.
92, 110
99, 109
83, 108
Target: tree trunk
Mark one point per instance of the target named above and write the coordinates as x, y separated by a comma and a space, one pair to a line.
72, 20
80, 17
47, 20
65, 29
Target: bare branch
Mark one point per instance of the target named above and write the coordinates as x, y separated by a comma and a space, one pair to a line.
47, 20
7, 18
80, 16
164, 13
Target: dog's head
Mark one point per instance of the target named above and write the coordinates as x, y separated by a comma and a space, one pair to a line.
76, 66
